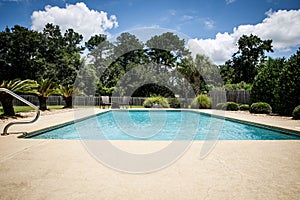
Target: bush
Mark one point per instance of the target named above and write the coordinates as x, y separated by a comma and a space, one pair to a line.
174, 103
261, 108
244, 107
202, 101
156, 101
296, 113
231, 106
220, 106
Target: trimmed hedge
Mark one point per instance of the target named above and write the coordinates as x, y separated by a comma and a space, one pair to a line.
174, 103
244, 107
202, 101
157, 101
231, 106
220, 106
296, 113
260, 108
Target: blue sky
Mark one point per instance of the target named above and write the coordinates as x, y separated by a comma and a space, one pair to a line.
205, 22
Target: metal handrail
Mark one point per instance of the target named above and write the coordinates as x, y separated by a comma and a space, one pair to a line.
24, 101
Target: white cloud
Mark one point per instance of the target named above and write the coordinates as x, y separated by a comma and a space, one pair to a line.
281, 26
78, 17
229, 1
186, 18
209, 23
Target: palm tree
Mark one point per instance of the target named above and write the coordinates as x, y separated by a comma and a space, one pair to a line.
67, 92
16, 86
46, 87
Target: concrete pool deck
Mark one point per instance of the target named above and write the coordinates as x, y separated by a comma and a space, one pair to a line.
61, 169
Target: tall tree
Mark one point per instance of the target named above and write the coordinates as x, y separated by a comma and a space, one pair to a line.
18, 50
128, 49
61, 54
267, 80
166, 50
5, 64
244, 64
287, 93
100, 52
199, 72
127, 52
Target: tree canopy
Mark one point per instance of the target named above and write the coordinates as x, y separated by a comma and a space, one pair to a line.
28, 54
244, 64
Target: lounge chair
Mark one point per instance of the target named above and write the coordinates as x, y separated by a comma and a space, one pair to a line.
125, 102
105, 101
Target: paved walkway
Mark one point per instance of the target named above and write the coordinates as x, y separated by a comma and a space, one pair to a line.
64, 169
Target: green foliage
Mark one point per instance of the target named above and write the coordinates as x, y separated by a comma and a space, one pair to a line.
67, 92
202, 101
46, 87
220, 106
27, 54
174, 102
16, 86
19, 86
87, 80
244, 64
156, 101
95, 41
238, 86
260, 108
199, 72
229, 87
278, 84
148, 90
296, 113
244, 107
231, 106
267, 80
18, 53
287, 93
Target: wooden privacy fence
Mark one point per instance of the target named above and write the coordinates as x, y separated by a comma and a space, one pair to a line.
238, 96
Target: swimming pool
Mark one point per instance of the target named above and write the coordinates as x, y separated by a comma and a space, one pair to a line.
160, 125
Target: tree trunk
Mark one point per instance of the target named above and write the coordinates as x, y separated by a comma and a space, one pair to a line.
68, 101
7, 104
43, 103
197, 83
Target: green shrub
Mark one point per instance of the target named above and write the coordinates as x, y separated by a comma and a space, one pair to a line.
202, 101
296, 113
244, 107
156, 101
261, 108
231, 106
220, 106
174, 103
238, 86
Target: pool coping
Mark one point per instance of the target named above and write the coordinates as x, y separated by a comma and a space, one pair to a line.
283, 130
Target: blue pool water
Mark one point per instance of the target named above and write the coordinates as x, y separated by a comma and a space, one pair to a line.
161, 125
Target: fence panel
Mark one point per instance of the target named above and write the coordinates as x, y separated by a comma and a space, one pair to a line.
238, 96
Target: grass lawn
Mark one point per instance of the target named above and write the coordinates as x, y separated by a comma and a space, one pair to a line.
137, 107
27, 108
19, 109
